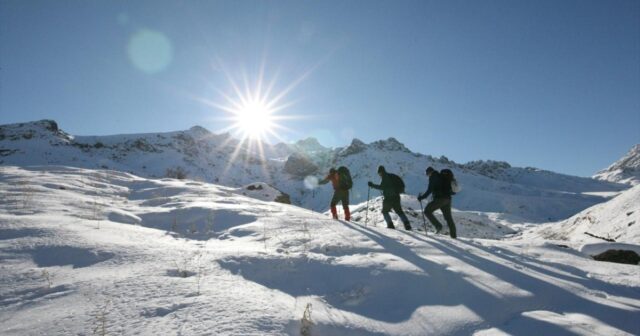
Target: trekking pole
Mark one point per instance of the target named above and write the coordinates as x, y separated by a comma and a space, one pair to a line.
424, 221
366, 214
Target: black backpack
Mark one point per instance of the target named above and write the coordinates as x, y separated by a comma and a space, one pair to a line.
397, 183
450, 184
344, 178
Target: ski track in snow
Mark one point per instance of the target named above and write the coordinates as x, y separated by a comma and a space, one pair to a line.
83, 249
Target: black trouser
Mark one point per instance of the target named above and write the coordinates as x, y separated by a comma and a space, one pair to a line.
394, 203
443, 204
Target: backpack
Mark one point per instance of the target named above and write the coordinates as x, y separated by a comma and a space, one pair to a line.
397, 183
344, 178
447, 174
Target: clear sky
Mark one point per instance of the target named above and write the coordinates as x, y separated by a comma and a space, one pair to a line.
550, 84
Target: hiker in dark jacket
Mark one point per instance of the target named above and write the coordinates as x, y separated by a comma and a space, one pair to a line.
340, 195
391, 199
440, 188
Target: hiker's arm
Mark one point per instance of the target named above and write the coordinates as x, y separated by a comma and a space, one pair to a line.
429, 190
326, 179
374, 186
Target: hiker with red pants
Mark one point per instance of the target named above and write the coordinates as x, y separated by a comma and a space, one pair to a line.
341, 182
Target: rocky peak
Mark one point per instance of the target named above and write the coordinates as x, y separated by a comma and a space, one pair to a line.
355, 147
309, 145
391, 144
42, 129
489, 168
625, 170
199, 132
631, 161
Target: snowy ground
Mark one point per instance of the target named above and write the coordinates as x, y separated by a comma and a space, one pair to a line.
615, 220
100, 252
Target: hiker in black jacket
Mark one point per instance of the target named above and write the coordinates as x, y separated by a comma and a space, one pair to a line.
440, 188
391, 200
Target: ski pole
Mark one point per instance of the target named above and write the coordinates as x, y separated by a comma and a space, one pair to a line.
424, 221
366, 214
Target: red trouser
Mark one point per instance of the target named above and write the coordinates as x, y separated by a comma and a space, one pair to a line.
340, 196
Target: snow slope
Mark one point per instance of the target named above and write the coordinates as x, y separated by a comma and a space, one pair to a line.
489, 186
102, 252
617, 219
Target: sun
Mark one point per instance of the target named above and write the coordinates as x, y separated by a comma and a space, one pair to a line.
254, 119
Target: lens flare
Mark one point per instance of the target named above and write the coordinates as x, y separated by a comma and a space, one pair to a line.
150, 51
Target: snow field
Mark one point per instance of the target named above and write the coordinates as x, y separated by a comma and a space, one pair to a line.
86, 251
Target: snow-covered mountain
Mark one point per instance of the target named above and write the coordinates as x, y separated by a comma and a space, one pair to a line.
615, 220
105, 252
489, 186
625, 170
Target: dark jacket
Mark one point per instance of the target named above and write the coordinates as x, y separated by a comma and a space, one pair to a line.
438, 186
387, 187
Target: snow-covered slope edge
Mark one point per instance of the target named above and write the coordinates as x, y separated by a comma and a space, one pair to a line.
87, 252
616, 220
625, 170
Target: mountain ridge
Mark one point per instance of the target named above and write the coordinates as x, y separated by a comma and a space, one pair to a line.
493, 186
626, 170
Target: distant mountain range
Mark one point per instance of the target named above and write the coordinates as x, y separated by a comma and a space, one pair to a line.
532, 194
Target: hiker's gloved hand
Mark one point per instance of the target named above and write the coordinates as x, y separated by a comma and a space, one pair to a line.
370, 184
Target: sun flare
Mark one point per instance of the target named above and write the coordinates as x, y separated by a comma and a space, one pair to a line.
254, 119
254, 113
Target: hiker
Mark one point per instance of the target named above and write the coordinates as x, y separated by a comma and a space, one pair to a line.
440, 188
391, 186
341, 182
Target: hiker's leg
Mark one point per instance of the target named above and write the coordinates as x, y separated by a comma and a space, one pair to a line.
386, 207
398, 209
345, 205
428, 211
334, 201
446, 212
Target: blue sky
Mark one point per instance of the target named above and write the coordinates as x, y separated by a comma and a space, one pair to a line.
549, 84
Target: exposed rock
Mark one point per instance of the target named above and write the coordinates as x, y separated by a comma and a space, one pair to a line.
355, 147
489, 168
299, 165
283, 198
625, 170
253, 187
619, 256
390, 144
42, 129
309, 145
